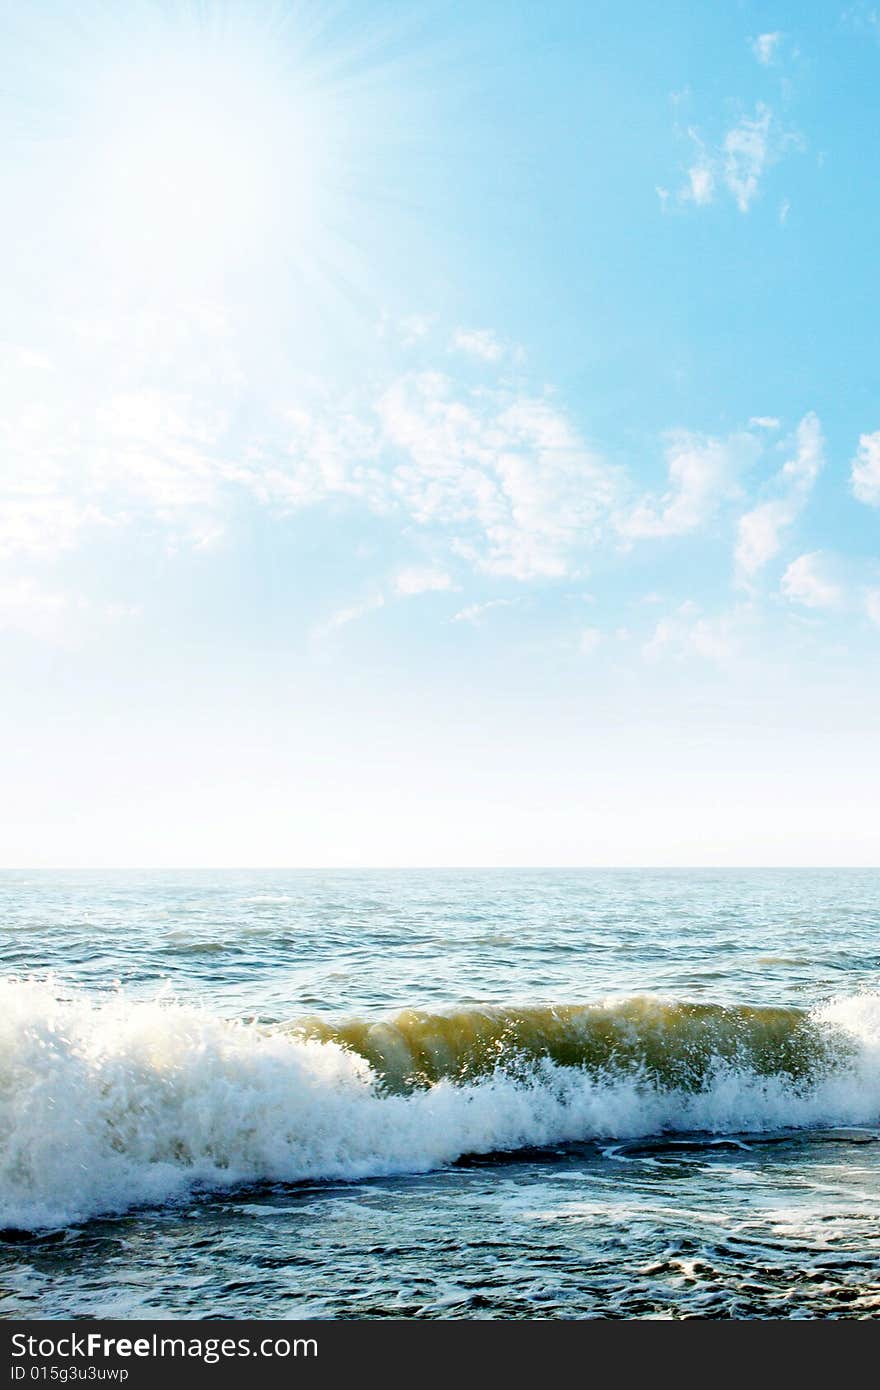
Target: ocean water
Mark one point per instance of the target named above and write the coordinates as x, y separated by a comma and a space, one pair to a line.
440, 1094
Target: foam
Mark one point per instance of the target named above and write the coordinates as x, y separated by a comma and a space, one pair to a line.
108, 1103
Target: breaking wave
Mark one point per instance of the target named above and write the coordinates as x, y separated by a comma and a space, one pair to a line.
108, 1103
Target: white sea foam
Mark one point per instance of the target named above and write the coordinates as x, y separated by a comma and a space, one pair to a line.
109, 1103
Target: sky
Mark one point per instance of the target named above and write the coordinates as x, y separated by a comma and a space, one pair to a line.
439, 435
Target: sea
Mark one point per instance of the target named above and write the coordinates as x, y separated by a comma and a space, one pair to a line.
450, 1094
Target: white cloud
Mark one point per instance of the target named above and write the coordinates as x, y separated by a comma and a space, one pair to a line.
52, 615
829, 582
687, 632
159, 447
206, 536
703, 473
808, 581
700, 186
407, 583
866, 470
739, 162
759, 534
863, 17
802, 470
764, 422
478, 342
350, 614
502, 477
414, 327
475, 612
509, 477
41, 524
410, 582
72, 466
764, 47
43, 508
329, 451
589, 640
505, 476
747, 152
701, 181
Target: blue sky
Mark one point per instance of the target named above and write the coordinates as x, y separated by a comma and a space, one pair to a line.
440, 435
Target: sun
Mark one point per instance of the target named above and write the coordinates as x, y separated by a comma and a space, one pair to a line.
241, 157
201, 158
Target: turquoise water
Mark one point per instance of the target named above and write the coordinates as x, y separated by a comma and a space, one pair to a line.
440, 1093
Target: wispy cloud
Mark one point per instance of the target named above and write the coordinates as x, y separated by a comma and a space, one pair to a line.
411, 582
865, 475
501, 477
759, 533
764, 47
509, 477
498, 476
38, 523
833, 582
408, 329
703, 472
809, 581
351, 613
72, 469
688, 632
476, 612
478, 342
862, 18
738, 162
407, 583
701, 189
54, 615
747, 152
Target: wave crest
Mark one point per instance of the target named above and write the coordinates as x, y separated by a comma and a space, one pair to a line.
110, 1103
673, 1044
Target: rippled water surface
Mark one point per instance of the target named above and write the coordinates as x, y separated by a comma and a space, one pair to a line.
440, 1094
